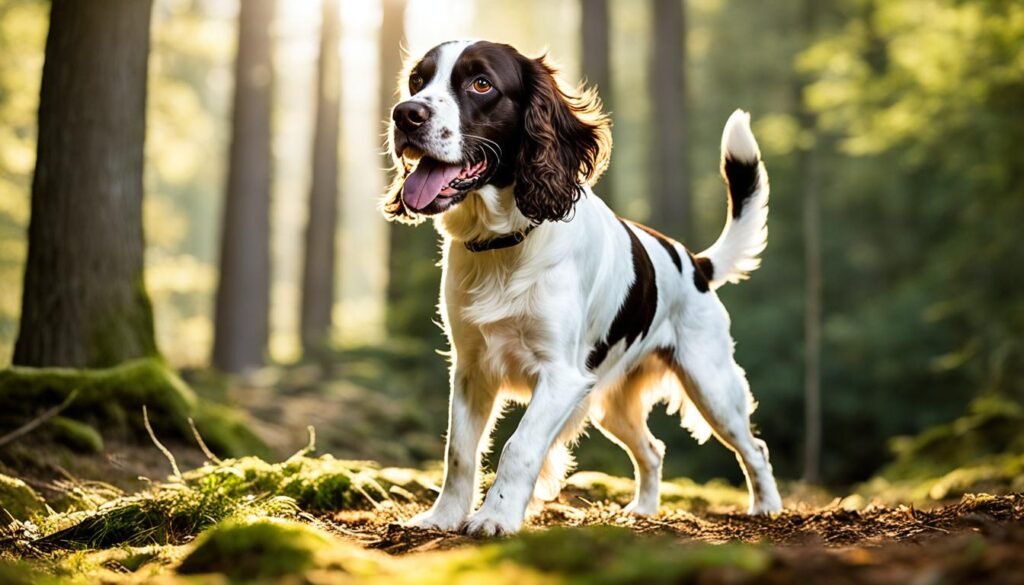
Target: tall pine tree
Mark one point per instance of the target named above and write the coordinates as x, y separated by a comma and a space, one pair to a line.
84, 302
242, 320
319, 263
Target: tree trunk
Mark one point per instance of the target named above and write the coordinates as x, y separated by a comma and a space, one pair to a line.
84, 302
670, 177
318, 268
808, 164
243, 293
413, 280
596, 67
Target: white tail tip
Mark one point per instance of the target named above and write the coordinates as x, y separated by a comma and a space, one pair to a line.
737, 139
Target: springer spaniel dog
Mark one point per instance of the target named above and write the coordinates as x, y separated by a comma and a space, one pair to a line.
550, 299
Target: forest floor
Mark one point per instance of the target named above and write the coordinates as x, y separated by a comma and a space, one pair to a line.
348, 520
123, 515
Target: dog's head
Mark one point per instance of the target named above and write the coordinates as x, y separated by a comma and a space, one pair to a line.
476, 114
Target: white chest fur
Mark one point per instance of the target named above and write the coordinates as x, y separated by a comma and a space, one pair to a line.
506, 309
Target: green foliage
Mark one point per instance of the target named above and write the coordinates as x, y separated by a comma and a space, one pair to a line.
916, 103
18, 500
982, 451
258, 549
993, 425
924, 94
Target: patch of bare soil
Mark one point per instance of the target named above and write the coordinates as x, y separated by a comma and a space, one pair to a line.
978, 540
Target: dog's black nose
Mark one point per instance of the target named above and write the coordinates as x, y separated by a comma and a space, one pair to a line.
410, 115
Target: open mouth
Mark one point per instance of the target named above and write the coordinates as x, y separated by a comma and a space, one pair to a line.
433, 179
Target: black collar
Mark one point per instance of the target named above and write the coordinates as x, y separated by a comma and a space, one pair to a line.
505, 241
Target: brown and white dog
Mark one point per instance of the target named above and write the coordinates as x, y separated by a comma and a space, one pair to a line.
549, 298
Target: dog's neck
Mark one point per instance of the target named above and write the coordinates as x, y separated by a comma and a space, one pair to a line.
487, 213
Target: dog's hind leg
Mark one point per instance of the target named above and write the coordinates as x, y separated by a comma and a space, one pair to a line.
560, 461
623, 419
718, 387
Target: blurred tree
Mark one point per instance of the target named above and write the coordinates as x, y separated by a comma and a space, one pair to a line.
23, 25
596, 66
84, 301
322, 226
807, 163
670, 177
413, 278
241, 325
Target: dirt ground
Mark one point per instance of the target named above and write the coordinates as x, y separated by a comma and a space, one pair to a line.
977, 540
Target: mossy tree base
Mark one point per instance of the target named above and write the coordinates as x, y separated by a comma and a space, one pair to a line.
18, 501
111, 400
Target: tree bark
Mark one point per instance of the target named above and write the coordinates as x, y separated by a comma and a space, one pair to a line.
595, 31
243, 293
808, 164
413, 280
319, 263
84, 301
670, 177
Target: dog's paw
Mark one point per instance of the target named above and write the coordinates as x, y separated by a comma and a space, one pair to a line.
488, 523
435, 519
770, 503
640, 509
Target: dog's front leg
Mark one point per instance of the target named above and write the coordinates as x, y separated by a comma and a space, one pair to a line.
555, 399
469, 416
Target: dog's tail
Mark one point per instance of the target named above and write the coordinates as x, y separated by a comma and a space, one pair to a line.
736, 252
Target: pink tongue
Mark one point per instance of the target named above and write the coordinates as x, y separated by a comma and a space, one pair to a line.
427, 181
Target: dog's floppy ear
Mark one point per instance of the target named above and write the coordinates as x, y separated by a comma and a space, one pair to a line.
393, 206
566, 143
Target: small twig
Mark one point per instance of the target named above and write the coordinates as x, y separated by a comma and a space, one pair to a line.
310, 446
933, 527
376, 505
202, 444
34, 423
167, 452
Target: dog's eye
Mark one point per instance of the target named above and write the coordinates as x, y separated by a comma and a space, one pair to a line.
415, 82
481, 85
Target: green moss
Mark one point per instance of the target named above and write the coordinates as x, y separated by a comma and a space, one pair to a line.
982, 451
258, 549
315, 484
681, 493
992, 474
993, 425
19, 500
112, 399
19, 573
112, 396
227, 431
76, 435
605, 554
174, 512
168, 514
261, 549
